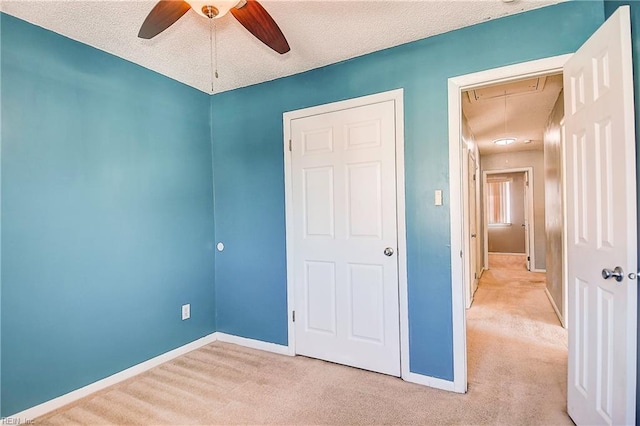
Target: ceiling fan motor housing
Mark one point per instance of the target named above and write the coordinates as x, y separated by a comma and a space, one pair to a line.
210, 11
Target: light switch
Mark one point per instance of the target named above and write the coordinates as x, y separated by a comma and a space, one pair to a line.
438, 197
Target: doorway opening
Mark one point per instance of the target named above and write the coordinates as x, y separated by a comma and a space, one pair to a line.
482, 83
508, 220
512, 309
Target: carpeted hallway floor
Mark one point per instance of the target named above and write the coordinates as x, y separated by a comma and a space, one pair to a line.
515, 341
517, 375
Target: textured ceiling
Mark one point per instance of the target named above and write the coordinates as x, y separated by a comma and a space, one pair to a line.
526, 116
319, 33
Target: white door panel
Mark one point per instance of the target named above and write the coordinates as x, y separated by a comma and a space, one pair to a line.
527, 221
473, 228
601, 213
344, 216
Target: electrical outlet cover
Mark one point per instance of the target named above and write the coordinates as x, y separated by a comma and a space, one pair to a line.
186, 311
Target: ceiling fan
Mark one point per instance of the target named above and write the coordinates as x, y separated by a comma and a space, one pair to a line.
249, 13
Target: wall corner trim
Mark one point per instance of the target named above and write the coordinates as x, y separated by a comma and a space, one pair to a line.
432, 382
68, 398
254, 344
61, 401
555, 307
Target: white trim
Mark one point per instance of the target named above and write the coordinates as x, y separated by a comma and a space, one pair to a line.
288, 206
68, 398
508, 254
544, 271
458, 284
530, 218
398, 97
402, 237
54, 404
432, 382
555, 307
455, 87
253, 344
481, 273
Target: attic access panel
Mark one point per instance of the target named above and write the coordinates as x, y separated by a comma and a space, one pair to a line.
528, 86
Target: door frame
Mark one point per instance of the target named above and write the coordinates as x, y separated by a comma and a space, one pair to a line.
456, 85
397, 96
529, 210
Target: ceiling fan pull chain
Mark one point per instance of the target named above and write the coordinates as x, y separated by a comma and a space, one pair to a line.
211, 50
215, 38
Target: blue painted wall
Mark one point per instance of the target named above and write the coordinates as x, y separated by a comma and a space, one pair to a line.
249, 177
609, 8
107, 215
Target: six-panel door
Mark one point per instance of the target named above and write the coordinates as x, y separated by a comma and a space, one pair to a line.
344, 216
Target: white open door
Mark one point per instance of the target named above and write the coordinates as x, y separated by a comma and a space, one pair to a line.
601, 232
473, 228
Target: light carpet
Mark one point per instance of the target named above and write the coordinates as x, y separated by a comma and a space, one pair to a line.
517, 375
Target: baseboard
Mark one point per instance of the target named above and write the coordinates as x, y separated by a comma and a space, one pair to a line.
555, 307
432, 382
253, 344
54, 404
61, 401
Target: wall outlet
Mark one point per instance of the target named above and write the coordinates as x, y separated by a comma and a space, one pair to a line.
186, 311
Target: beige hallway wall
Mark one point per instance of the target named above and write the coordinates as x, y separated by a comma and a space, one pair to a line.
553, 203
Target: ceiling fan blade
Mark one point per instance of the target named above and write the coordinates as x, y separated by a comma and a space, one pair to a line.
259, 23
162, 16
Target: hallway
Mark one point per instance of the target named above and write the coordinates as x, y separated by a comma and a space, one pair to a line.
517, 349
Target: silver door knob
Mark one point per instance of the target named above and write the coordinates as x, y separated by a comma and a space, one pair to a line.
617, 273
388, 251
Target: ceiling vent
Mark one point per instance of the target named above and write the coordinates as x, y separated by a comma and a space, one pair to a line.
520, 87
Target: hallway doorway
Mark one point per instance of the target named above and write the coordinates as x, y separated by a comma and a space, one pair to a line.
600, 241
508, 204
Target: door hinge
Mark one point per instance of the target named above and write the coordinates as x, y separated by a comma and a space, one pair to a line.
474, 177
528, 258
293, 316
475, 275
460, 253
289, 145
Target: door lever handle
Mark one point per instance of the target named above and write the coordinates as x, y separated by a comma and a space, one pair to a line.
616, 273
